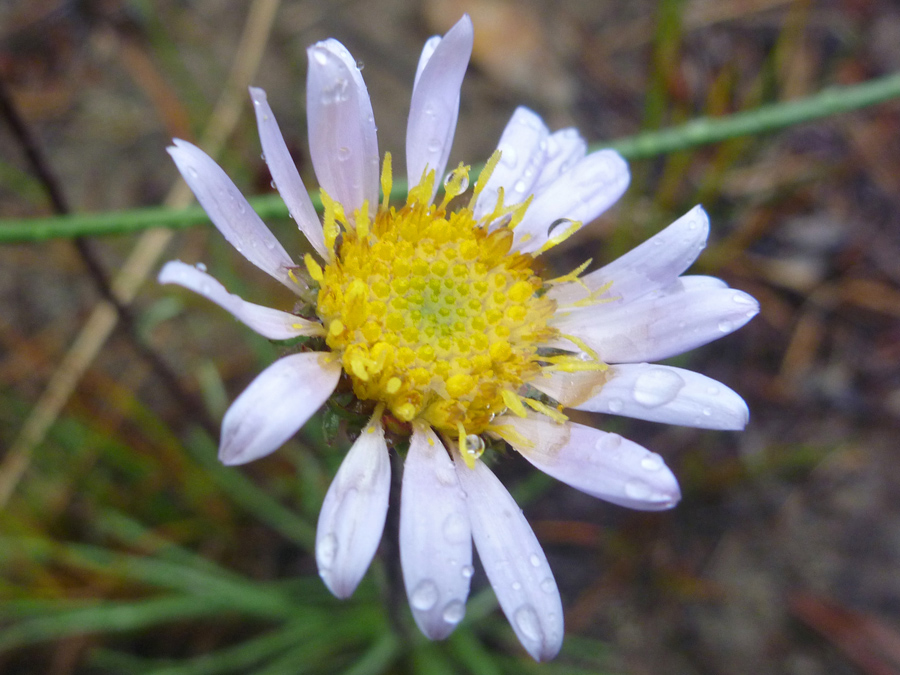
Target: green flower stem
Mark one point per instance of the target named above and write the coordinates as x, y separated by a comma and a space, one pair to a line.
702, 131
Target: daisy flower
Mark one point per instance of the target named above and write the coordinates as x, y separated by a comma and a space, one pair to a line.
433, 312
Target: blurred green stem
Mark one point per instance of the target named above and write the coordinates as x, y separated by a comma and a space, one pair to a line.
702, 131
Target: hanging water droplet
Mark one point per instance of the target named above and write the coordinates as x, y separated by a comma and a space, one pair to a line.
454, 612
527, 621
200, 266
474, 445
637, 489
424, 596
657, 386
615, 405
360, 65
326, 551
558, 226
262, 156
467, 571
272, 184
455, 529
652, 462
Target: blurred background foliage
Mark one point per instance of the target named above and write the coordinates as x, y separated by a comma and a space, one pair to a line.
126, 547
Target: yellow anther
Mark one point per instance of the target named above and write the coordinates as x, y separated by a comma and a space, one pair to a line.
313, 268
386, 182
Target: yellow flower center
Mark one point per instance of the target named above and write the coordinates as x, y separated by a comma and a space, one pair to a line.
431, 313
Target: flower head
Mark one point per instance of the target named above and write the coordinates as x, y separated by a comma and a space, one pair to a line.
434, 314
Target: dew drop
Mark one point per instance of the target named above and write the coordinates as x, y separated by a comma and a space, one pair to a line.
712, 390
360, 65
343, 153
454, 612
455, 529
434, 145
516, 586
707, 412
548, 585
656, 387
320, 57
534, 560
559, 224
424, 596
272, 184
608, 442
468, 571
615, 405
205, 288
725, 326
519, 186
652, 462
270, 244
262, 156
527, 621
193, 172
509, 156
326, 550
637, 489
200, 266
741, 299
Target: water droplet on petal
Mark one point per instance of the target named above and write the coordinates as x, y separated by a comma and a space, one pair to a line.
741, 299
712, 390
519, 186
652, 462
343, 153
262, 156
516, 586
527, 621
455, 529
270, 244
534, 560
656, 387
320, 57
454, 612
608, 442
637, 489
424, 596
615, 405
725, 326
508, 156
468, 571
360, 65
548, 585
193, 172
326, 550
200, 266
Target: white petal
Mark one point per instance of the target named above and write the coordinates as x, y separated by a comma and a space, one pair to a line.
514, 562
284, 173
435, 537
342, 140
564, 148
583, 193
434, 107
654, 264
427, 52
275, 405
670, 395
570, 389
660, 324
231, 213
353, 513
271, 323
601, 464
523, 148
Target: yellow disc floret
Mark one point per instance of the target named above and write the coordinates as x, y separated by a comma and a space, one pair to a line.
431, 312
